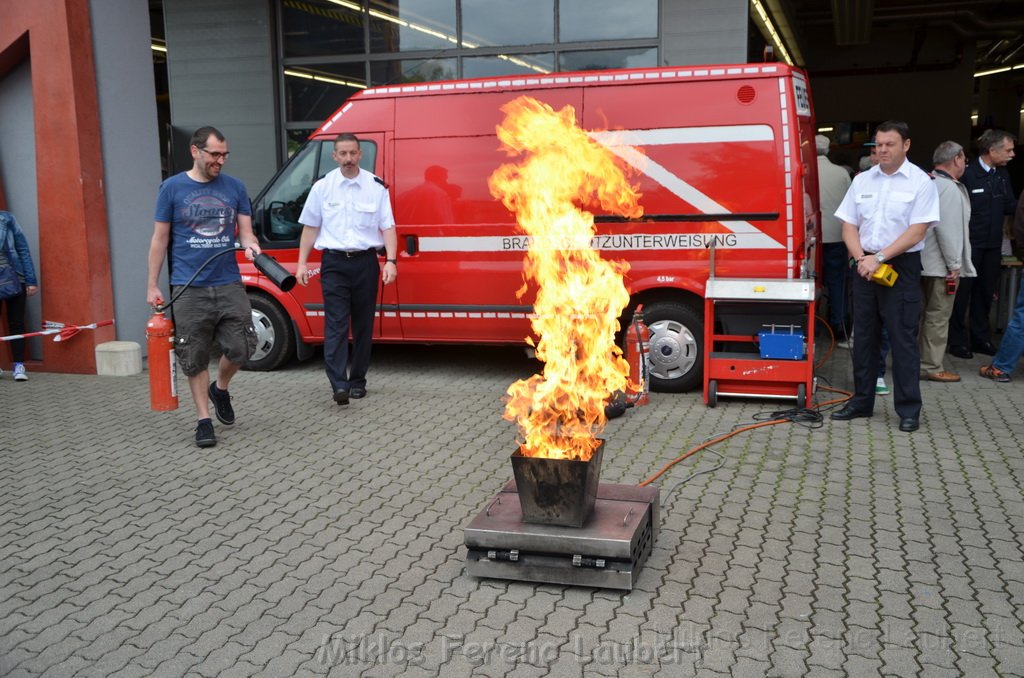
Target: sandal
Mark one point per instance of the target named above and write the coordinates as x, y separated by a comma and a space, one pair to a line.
994, 373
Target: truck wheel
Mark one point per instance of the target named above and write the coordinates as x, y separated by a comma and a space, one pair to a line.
275, 343
676, 354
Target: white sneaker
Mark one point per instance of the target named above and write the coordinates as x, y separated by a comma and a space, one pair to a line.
19, 372
881, 388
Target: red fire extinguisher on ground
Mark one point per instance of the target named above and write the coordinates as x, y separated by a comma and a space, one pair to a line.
638, 342
163, 392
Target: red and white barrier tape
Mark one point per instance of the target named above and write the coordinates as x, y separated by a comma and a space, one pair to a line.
60, 329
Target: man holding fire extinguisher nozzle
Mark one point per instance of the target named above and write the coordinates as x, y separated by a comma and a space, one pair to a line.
197, 213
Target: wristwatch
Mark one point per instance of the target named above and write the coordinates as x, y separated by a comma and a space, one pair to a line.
879, 257
391, 261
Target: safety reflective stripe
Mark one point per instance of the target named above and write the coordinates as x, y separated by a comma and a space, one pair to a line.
790, 187
624, 143
609, 243
540, 81
466, 315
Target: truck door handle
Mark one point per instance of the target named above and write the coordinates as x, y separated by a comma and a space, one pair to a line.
411, 244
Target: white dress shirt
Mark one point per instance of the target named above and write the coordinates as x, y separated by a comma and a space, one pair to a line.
883, 206
350, 213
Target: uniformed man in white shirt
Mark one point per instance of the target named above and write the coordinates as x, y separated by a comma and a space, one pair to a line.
886, 214
348, 217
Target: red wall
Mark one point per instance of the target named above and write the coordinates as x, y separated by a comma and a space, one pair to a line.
55, 36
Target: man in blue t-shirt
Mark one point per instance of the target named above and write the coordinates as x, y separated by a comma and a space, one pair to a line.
196, 217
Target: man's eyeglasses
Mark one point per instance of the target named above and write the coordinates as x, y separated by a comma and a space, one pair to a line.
216, 155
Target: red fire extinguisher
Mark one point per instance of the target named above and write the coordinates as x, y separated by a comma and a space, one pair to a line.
638, 342
163, 392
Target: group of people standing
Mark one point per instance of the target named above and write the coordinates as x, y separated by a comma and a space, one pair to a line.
942, 233
199, 215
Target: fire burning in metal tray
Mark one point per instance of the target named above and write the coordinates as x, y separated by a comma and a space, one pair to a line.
580, 296
566, 528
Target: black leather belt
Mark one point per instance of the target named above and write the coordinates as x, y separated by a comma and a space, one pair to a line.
351, 254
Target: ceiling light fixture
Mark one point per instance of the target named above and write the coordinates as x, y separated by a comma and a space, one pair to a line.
773, 35
323, 78
384, 16
1004, 69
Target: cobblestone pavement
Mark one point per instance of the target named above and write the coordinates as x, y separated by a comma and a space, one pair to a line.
317, 540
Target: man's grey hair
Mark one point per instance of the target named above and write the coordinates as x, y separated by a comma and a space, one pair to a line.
991, 138
822, 143
945, 152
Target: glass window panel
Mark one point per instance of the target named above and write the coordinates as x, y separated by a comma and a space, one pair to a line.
326, 161
607, 19
296, 137
366, 161
319, 28
508, 64
411, 70
599, 59
500, 22
282, 203
277, 214
312, 93
412, 24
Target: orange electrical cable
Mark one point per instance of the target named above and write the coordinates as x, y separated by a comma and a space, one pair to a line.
706, 443
831, 343
725, 436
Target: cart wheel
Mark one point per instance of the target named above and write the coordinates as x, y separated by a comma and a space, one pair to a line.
801, 395
712, 393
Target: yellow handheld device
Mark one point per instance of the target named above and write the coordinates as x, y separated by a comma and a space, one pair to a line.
885, 275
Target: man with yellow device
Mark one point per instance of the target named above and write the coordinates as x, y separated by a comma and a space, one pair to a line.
886, 214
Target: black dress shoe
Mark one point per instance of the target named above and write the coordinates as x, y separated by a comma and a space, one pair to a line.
986, 348
341, 396
909, 424
960, 352
849, 412
358, 392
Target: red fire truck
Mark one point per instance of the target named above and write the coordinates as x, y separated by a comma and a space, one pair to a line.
724, 157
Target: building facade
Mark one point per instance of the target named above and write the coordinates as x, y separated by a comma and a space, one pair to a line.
271, 71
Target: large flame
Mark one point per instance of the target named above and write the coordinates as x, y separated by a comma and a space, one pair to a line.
580, 296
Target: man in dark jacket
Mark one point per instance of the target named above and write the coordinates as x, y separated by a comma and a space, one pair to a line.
992, 200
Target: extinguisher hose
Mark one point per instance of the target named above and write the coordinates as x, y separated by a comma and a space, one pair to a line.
174, 297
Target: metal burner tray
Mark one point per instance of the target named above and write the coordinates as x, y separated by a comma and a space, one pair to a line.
607, 552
